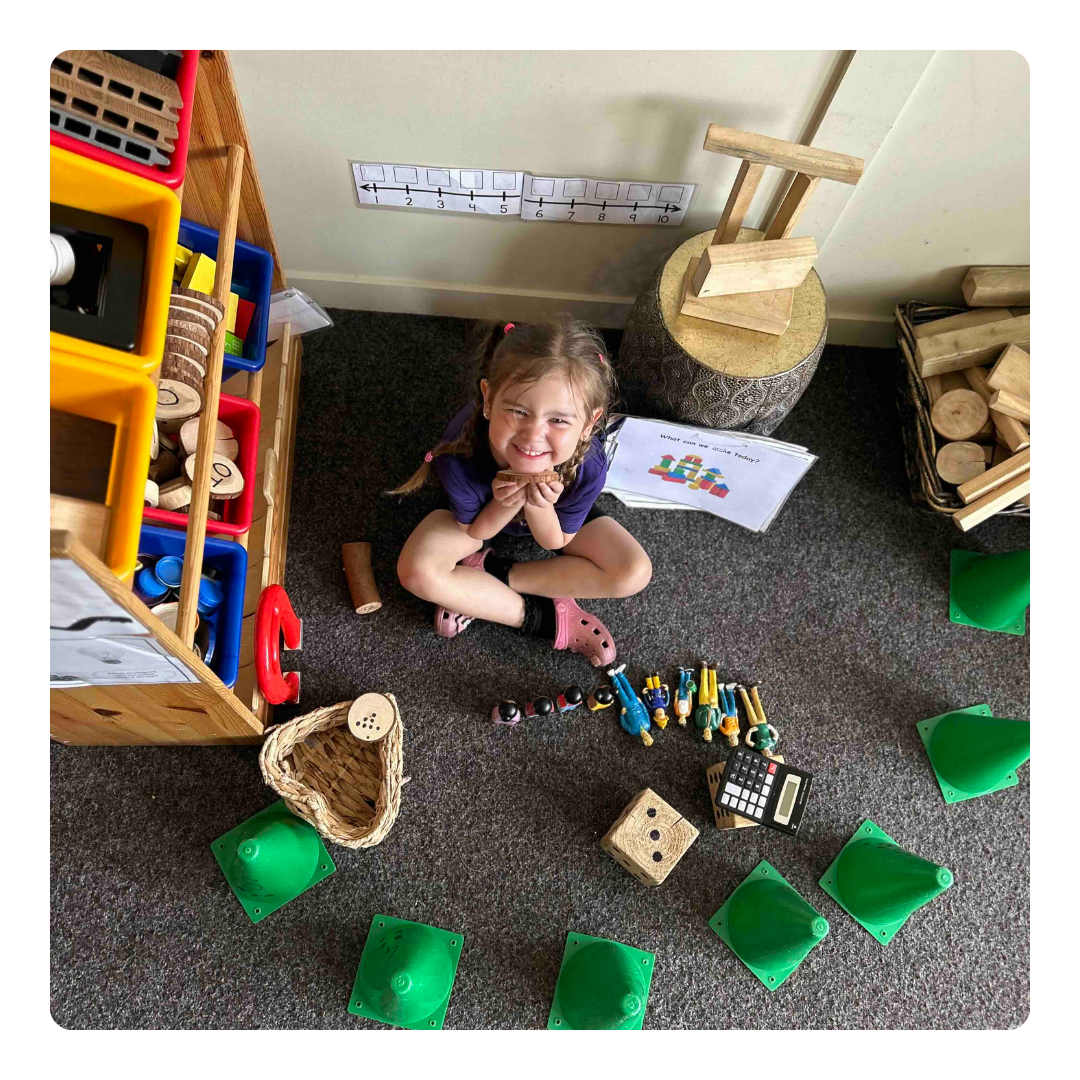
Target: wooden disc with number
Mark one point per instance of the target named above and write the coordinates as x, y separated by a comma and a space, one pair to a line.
224, 443
176, 400
371, 716
959, 414
174, 495
201, 299
958, 462
225, 479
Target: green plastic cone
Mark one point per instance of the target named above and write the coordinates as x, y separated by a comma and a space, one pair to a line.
991, 592
603, 985
406, 973
271, 859
879, 884
974, 754
768, 925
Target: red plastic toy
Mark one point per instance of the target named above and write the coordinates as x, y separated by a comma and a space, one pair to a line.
275, 618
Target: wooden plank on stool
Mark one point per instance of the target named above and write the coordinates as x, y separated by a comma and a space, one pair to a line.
760, 266
742, 194
785, 155
798, 195
768, 312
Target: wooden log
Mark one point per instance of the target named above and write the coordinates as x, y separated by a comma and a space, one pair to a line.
997, 499
356, 559
787, 217
959, 414
957, 322
742, 194
958, 462
226, 482
970, 347
176, 401
224, 442
979, 486
785, 155
754, 267
997, 286
767, 312
1012, 372
1010, 405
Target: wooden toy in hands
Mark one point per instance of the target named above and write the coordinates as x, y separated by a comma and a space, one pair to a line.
527, 478
649, 838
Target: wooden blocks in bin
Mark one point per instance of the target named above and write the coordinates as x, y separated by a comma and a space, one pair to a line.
649, 838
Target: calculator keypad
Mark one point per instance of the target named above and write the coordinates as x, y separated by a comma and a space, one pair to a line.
749, 784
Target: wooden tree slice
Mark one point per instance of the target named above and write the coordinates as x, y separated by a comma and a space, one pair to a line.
958, 462
150, 494
165, 467
183, 369
358, 573
185, 363
225, 479
202, 300
959, 414
527, 478
184, 346
371, 716
189, 437
176, 400
193, 331
174, 495
179, 309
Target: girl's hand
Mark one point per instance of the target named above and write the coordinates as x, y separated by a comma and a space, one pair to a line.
508, 493
544, 494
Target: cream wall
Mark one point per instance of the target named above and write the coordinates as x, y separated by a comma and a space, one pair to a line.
952, 130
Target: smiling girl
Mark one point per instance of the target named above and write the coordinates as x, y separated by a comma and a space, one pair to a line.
541, 404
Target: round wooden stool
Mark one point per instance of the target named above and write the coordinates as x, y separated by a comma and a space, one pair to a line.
693, 371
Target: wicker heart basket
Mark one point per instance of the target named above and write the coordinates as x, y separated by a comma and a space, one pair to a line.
348, 789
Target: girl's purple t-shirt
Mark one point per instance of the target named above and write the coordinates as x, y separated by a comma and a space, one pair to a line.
468, 480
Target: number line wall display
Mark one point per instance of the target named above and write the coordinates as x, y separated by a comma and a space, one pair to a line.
608, 202
467, 191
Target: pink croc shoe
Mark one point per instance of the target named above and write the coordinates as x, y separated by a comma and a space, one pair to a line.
582, 633
449, 623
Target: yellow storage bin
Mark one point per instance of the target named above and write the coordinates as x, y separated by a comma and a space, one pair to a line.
78, 181
128, 400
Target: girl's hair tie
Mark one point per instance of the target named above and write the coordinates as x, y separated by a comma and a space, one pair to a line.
508, 327
427, 456
601, 356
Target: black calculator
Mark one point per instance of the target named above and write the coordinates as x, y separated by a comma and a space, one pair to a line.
764, 790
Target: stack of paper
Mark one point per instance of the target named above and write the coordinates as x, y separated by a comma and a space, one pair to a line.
658, 465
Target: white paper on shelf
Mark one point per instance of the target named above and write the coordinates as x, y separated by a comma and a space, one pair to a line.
742, 478
431, 187
298, 310
80, 608
607, 202
112, 661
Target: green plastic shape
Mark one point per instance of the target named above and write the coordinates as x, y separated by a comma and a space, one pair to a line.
879, 884
603, 985
406, 974
768, 925
974, 753
991, 592
271, 859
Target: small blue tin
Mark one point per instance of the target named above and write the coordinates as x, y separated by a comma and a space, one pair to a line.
148, 588
211, 595
169, 571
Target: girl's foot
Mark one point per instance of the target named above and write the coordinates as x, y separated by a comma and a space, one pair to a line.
449, 623
582, 633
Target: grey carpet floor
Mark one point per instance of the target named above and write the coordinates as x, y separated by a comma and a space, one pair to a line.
839, 611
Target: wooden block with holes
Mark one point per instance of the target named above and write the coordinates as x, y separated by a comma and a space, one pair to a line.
768, 312
997, 286
759, 266
649, 838
723, 819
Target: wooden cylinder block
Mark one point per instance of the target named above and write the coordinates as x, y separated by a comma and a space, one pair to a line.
959, 414
225, 479
176, 400
357, 561
174, 495
224, 443
958, 462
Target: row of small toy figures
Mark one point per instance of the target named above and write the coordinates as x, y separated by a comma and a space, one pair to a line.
716, 709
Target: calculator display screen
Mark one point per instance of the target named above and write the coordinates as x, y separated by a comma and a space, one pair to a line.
787, 799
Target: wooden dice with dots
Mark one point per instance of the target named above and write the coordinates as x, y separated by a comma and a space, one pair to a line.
371, 716
649, 838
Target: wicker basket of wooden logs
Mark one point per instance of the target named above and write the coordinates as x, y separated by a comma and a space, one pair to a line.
964, 455
339, 768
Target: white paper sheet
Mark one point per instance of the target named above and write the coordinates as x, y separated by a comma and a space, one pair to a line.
744, 479
80, 608
608, 202
430, 187
112, 661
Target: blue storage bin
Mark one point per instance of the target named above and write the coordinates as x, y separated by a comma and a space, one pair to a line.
230, 560
252, 274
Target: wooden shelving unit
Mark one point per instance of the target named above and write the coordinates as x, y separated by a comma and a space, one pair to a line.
206, 711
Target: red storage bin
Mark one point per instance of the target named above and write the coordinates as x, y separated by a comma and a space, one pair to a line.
171, 177
243, 417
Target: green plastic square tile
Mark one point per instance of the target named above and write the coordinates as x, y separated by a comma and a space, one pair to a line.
950, 792
638, 957
386, 929
961, 560
257, 909
773, 976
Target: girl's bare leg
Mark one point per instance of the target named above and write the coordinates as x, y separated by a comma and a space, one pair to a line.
602, 560
427, 567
